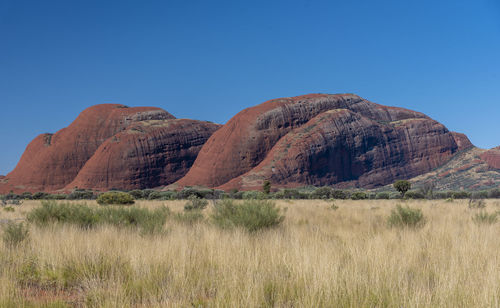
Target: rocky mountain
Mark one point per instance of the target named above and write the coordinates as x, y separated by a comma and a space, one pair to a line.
342, 140
339, 140
54, 161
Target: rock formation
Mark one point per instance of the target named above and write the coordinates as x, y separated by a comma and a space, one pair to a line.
148, 154
52, 161
321, 139
462, 141
492, 158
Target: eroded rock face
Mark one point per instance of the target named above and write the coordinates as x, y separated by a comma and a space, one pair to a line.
147, 154
321, 140
462, 141
492, 158
52, 161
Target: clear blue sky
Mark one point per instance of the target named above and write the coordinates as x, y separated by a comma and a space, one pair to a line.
210, 59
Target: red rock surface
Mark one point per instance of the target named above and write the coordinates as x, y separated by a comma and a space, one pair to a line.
492, 157
52, 161
320, 139
462, 141
146, 155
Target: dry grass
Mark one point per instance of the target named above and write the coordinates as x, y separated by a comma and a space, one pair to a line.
319, 257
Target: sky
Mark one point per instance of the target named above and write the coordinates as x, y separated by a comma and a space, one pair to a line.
208, 60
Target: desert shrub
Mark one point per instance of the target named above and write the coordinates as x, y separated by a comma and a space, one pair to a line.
252, 215
324, 192
253, 195
359, 195
372, 196
9, 209
86, 217
402, 186
442, 195
382, 195
200, 193
394, 195
115, 197
340, 194
14, 234
266, 187
333, 206
460, 195
414, 194
237, 195
476, 204
406, 217
26, 196
195, 204
484, 217
494, 193
56, 197
137, 194
427, 189
162, 195
290, 193
81, 195
40, 195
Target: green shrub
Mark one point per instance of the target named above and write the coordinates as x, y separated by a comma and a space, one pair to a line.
115, 197
485, 218
40, 195
195, 204
56, 197
14, 234
137, 194
359, 195
402, 186
252, 215
461, 195
324, 192
340, 194
253, 195
406, 217
148, 221
382, 195
494, 193
79, 194
266, 187
290, 193
9, 209
483, 194
414, 194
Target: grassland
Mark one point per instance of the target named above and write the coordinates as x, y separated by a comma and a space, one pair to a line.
318, 257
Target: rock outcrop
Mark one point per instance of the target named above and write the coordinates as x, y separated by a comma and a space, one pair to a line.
492, 158
148, 154
321, 139
462, 141
52, 161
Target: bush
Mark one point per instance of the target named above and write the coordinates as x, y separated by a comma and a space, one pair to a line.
162, 195
89, 217
382, 195
322, 193
413, 194
485, 218
15, 234
137, 194
359, 195
253, 195
40, 195
402, 186
252, 215
115, 197
9, 209
81, 195
494, 193
483, 194
266, 187
461, 195
195, 204
290, 193
340, 194
406, 217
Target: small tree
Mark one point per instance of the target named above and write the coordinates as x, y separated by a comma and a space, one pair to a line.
266, 187
402, 186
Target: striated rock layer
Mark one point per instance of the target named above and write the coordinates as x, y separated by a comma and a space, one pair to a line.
148, 154
53, 161
321, 139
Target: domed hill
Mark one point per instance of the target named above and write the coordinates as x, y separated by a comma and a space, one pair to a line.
148, 154
321, 139
52, 161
